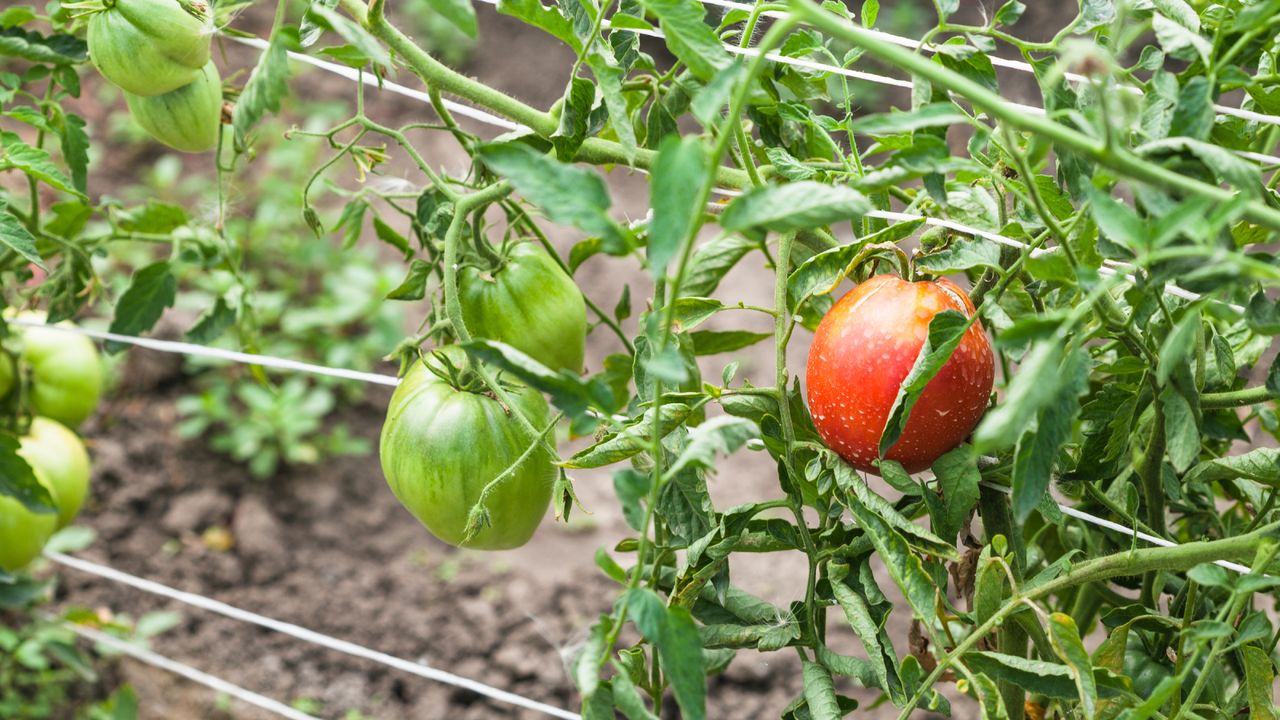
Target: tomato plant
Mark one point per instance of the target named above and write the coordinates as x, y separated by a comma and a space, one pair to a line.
1060, 331
447, 448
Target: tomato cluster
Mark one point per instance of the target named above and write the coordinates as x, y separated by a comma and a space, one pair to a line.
57, 377
158, 52
446, 438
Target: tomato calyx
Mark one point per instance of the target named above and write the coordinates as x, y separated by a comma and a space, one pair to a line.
464, 378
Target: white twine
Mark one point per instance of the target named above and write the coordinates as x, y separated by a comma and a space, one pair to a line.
310, 636
185, 348
216, 684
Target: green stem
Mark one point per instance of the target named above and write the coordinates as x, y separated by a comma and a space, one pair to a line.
991, 103
1135, 562
1237, 398
442, 78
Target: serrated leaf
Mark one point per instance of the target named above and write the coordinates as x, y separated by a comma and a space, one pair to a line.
56, 49
678, 175
212, 323
932, 115
75, 149
689, 37
1260, 465
634, 437
353, 33
672, 631
16, 237
1067, 644
821, 273
720, 436
33, 161
152, 289
713, 342
946, 330
567, 194
268, 84
795, 206
962, 254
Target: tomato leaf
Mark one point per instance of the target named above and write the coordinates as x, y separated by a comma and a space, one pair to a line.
1260, 465
212, 323
795, 206
712, 342
633, 438
75, 149
55, 49
568, 391
268, 84
958, 478
934, 115
946, 330
14, 236
881, 663
689, 36
18, 480
820, 693
712, 261
718, 436
34, 162
458, 12
1260, 675
678, 174
821, 273
1067, 644
673, 633
567, 194
1037, 448
152, 289
575, 118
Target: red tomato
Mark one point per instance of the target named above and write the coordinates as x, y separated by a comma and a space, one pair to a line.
863, 350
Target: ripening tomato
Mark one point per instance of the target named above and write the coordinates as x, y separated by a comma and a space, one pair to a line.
862, 351
62, 464
529, 303
65, 371
440, 447
151, 47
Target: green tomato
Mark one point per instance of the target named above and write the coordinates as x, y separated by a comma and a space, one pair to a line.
187, 119
1147, 672
61, 462
66, 373
441, 446
529, 303
22, 533
150, 47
